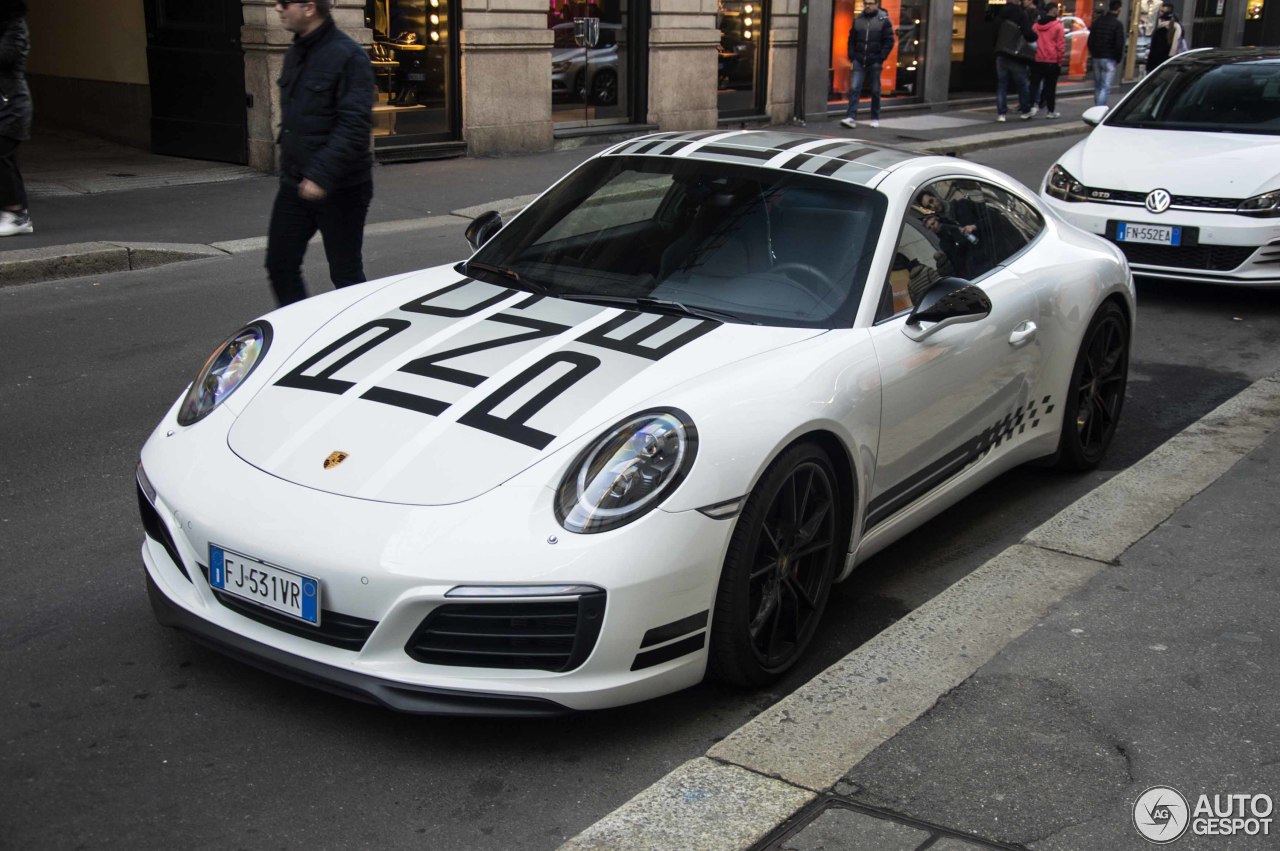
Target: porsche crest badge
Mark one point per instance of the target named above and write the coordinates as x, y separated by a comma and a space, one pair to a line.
334, 459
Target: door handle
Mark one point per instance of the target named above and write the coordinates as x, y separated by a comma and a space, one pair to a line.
1023, 334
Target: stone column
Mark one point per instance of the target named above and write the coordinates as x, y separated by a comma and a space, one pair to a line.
506, 77
783, 34
937, 52
683, 61
264, 41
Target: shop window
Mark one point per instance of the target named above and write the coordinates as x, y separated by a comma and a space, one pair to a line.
414, 62
902, 73
743, 48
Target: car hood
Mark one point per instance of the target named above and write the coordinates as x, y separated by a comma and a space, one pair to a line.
437, 388
1216, 165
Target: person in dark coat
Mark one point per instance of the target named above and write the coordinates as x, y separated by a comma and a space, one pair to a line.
326, 166
1106, 46
1165, 38
1013, 68
15, 116
871, 41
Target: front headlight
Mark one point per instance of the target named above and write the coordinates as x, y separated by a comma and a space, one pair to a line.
224, 371
1061, 185
559, 67
627, 471
1262, 206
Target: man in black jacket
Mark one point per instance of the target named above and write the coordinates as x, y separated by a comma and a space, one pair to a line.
1106, 46
326, 168
870, 43
1013, 66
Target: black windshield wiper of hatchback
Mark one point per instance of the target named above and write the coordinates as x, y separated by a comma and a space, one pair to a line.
508, 276
657, 305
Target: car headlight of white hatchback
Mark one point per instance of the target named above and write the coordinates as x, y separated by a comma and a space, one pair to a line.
1061, 185
627, 471
1263, 206
225, 370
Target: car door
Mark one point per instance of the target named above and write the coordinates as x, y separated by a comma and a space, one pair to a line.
954, 396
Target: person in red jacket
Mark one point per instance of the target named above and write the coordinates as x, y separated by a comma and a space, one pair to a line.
1051, 44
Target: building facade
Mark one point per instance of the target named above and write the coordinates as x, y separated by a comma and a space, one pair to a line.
197, 78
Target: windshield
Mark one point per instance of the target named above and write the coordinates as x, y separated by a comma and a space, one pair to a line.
738, 243
1242, 97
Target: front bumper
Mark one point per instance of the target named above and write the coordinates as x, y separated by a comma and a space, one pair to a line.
1230, 249
391, 567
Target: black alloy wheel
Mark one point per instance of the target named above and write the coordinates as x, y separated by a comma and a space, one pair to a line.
604, 88
1096, 393
783, 556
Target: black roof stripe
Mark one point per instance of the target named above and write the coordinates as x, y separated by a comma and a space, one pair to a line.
791, 143
797, 161
731, 151
830, 167
646, 147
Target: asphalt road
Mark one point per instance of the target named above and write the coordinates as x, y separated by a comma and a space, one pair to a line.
117, 732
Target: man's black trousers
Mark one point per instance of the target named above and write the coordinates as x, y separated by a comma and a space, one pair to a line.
340, 220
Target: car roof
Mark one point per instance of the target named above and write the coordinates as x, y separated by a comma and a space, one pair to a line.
1231, 55
837, 157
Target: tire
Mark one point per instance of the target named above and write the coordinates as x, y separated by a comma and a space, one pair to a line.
778, 572
1095, 395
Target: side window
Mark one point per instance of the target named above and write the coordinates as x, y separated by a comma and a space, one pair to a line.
1012, 222
953, 211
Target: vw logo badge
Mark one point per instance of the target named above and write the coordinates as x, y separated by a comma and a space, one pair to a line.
1159, 200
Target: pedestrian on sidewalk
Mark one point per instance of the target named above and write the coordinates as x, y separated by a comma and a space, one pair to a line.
15, 116
1015, 51
1166, 38
1106, 47
870, 43
1051, 44
326, 168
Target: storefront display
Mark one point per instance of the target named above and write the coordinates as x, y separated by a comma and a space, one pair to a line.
743, 45
590, 59
901, 74
415, 64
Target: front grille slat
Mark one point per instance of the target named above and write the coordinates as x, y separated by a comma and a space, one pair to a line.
1206, 258
1124, 196
549, 636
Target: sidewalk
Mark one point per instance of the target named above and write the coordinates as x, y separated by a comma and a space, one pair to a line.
1129, 642
100, 207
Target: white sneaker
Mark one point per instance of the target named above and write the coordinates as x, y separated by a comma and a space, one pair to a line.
875, 122
1053, 115
12, 224
848, 122
1034, 110
1023, 116
1000, 118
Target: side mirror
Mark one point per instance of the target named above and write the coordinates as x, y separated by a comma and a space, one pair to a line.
483, 227
1093, 115
950, 301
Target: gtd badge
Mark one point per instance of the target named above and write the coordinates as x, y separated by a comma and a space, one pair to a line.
1159, 200
1160, 814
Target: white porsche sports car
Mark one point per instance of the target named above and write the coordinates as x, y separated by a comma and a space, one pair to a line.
638, 435
1184, 173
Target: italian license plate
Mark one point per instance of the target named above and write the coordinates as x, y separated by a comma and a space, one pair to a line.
1153, 234
267, 585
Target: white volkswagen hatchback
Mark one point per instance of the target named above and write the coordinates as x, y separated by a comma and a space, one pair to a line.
1184, 173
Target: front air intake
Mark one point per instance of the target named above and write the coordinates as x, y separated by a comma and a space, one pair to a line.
544, 636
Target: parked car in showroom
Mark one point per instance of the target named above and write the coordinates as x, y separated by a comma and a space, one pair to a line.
638, 434
1184, 173
587, 74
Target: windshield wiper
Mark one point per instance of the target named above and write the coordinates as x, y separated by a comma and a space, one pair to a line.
510, 276
658, 305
